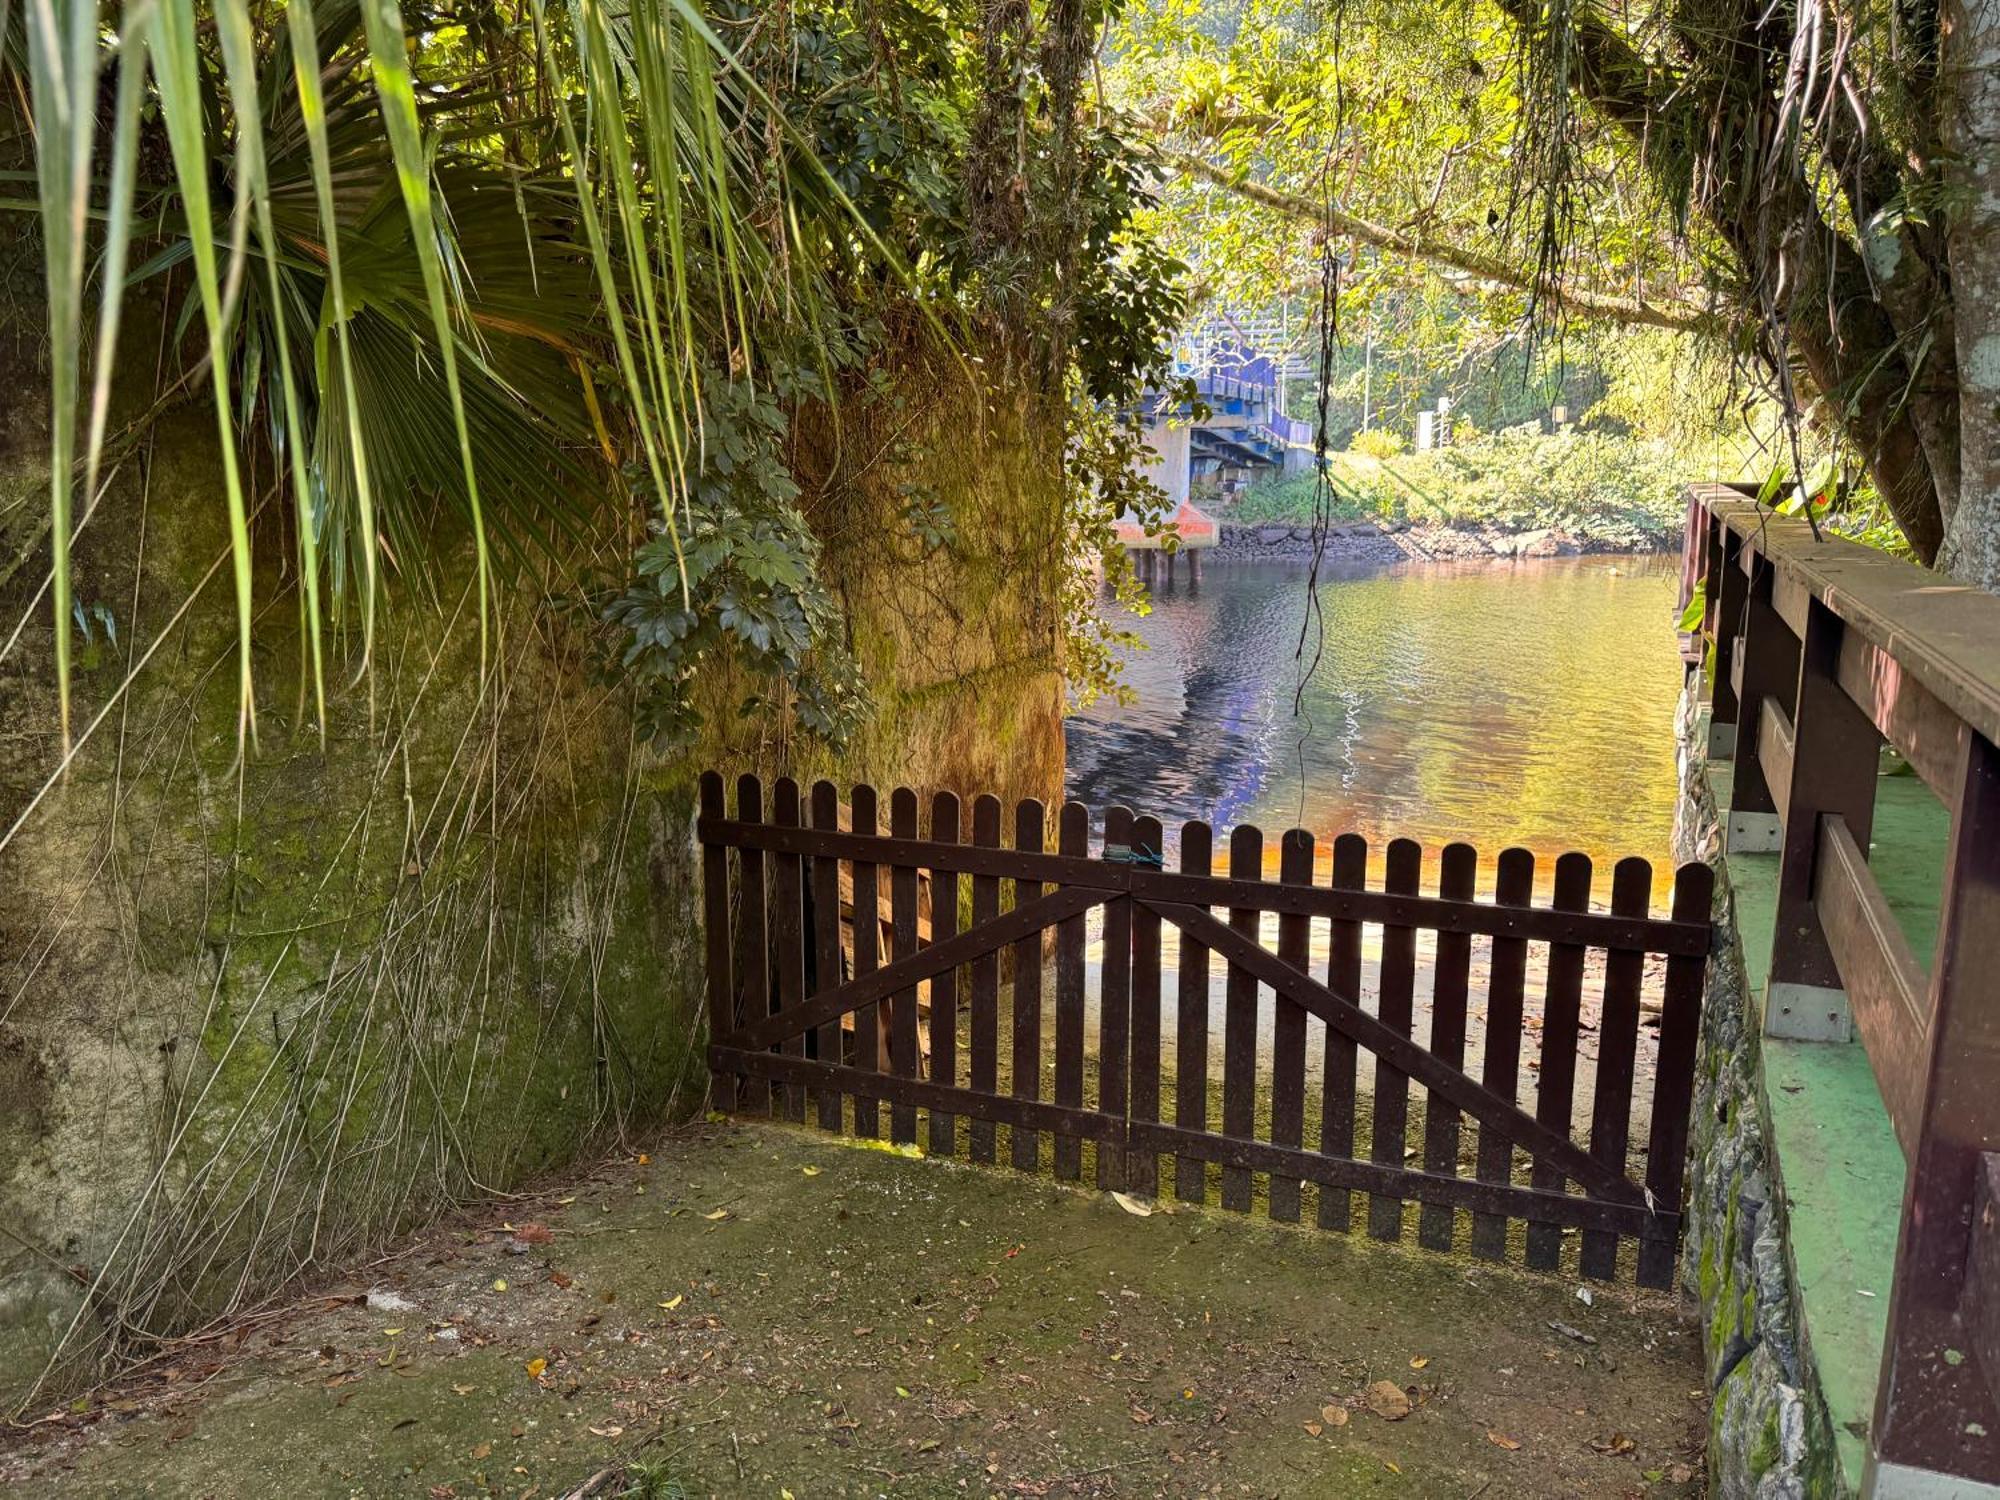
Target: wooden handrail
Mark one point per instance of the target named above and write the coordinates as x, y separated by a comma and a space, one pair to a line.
1943, 636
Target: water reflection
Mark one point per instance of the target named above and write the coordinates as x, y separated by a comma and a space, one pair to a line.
1499, 703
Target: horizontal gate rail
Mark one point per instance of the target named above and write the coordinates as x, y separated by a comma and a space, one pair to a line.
835, 993
1433, 913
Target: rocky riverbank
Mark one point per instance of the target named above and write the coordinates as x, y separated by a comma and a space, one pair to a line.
1389, 541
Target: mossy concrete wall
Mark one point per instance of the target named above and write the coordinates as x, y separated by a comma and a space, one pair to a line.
261, 1013
1770, 1436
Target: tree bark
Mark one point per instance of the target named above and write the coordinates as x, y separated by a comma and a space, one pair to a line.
1971, 47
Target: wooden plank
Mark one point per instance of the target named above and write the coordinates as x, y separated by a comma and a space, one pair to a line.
1592, 929
1114, 1006
753, 953
943, 1035
1239, 1020
903, 929
1500, 1068
1026, 1149
1288, 1034
826, 947
1021, 924
867, 953
1617, 1056
716, 942
1673, 1082
985, 1021
1904, 712
1774, 748
1767, 662
1837, 762
1458, 872
1506, 1200
921, 1093
1396, 1001
1337, 1060
1142, 1167
1073, 836
788, 936
1887, 990
1555, 1090
1191, 1028
1979, 1304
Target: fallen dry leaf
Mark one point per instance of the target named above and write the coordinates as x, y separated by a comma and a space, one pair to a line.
1501, 1440
608, 1432
534, 1234
1388, 1401
1314, 1428
720, 1213
1616, 1443
1420, 1361
481, 1450
1133, 1205
674, 1301
536, 1366
1333, 1416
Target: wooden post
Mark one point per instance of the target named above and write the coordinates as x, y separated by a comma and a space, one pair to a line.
1833, 759
1935, 1412
1728, 589
1171, 558
1194, 569
1764, 664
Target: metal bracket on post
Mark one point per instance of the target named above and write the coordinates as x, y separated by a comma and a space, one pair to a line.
1754, 833
1807, 1013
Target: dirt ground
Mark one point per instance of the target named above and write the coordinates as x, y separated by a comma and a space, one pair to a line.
766, 1311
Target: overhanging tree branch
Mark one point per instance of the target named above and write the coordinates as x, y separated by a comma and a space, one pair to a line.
1494, 269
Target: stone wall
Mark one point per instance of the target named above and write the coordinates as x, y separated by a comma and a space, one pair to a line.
1769, 1433
261, 1013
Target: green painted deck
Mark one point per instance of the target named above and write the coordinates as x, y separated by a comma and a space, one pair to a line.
1837, 1162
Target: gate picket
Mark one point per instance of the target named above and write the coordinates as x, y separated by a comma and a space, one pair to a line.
788, 938
867, 948
1617, 1052
1514, 886
1288, 1026
1073, 839
1025, 1144
782, 995
1673, 1088
1114, 1005
1449, 975
1561, 1003
1397, 1005
943, 1033
1142, 1167
828, 962
903, 930
1239, 1021
1343, 977
1191, 1029
985, 1040
753, 957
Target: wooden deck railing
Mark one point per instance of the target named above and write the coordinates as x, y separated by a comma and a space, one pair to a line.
1824, 650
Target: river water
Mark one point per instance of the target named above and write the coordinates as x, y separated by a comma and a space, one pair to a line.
1526, 702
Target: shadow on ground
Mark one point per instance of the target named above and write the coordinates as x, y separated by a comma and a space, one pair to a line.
763, 1311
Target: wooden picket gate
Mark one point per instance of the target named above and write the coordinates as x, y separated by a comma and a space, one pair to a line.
816, 1005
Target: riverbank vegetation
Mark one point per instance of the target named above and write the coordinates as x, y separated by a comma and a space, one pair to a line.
1605, 491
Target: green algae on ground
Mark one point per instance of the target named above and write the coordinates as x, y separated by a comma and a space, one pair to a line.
858, 1323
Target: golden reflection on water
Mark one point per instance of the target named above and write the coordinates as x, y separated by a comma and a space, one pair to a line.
1496, 703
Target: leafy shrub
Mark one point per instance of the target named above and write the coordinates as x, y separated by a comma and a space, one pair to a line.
1377, 442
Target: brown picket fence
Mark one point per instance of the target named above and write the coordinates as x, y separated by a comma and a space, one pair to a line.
824, 1005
